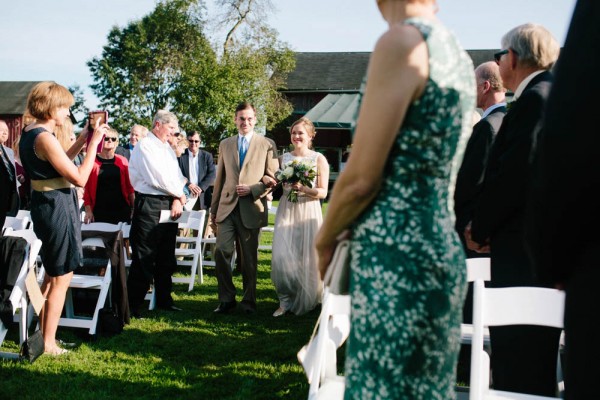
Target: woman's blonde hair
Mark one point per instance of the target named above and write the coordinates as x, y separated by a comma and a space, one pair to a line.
45, 98
63, 134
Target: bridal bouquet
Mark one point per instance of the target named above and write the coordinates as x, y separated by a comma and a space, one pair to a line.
297, 171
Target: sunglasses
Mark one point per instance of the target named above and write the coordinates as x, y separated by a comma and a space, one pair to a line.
110, 139
498, 55
194, 141
176, 134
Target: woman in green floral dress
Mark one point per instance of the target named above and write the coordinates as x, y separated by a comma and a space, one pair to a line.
408, 267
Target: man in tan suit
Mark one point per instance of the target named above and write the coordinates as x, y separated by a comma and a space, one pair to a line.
239, 205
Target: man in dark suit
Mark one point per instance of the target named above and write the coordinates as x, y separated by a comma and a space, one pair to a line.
563, 218
9, 197
199, 168
491, 99
239, 205
523, 357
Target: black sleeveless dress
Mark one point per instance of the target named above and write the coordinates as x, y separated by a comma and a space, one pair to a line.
55, 214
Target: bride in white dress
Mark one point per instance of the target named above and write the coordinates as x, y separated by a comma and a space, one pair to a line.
294, 262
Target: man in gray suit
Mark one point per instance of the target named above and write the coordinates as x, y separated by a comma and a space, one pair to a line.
239, 205
9, 198
199, 168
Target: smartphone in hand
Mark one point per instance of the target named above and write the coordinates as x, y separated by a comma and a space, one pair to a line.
100, 117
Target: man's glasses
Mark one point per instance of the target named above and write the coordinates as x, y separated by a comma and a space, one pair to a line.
194, 141
111, 139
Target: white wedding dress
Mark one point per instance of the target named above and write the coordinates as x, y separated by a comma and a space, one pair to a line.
294, 268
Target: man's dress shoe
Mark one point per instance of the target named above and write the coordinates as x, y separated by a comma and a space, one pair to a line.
224, 307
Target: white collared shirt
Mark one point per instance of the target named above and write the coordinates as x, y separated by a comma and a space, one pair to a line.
153, 168
248, 138
525, 82
491, 108
193, 164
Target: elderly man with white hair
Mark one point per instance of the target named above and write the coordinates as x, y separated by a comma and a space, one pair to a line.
158, 184
523, 357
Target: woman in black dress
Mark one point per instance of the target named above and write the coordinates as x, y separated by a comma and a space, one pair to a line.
54, 210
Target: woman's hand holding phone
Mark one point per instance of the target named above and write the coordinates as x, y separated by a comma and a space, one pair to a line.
96, 138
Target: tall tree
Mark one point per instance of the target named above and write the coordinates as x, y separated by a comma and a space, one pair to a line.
164, 60
142, 65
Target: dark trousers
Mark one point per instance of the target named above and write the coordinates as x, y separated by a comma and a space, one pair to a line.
153, 251
524, 359
582, 327
230, 230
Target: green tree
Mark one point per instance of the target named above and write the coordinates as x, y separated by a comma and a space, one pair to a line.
165, 61
142, 65
78, 109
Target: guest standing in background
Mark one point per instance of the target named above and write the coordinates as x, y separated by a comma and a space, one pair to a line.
198, 167
54, 211
523, 358
24, 185
407, 275
562, 215
158, 185
491, 99
294, 269
9, 196
137, 133
108, 195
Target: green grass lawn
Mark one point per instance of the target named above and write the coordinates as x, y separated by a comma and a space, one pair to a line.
191, 354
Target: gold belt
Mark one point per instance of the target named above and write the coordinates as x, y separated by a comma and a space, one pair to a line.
45, 185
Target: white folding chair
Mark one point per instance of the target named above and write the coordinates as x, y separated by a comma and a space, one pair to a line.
477, 269
25, 214
508, 306
209, 241
125, 231
16, 223
18, 295
320, 359
93, 282
269, 228
190, 254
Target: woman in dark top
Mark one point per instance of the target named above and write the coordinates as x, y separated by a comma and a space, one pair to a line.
54, 210
108, 195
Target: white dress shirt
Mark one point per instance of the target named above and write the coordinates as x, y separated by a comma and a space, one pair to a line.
153, 168
193, 160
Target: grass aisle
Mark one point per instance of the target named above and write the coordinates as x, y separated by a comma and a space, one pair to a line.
192, 354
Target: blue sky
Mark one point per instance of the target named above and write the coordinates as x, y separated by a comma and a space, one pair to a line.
52, 40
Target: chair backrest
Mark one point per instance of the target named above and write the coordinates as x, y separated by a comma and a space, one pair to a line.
333, 330
16, 223
35, 244
26, 214
508, 306
98, 227
478, 268
195, 221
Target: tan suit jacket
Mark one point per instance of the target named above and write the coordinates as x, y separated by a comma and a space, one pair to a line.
261, 160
